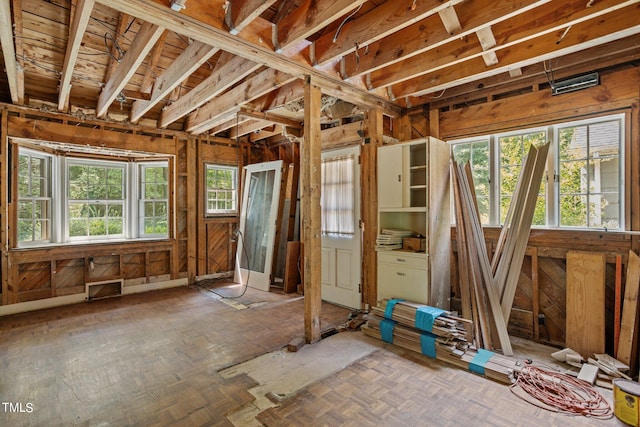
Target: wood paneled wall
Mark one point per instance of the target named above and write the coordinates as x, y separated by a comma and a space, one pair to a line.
542, 283
196, 245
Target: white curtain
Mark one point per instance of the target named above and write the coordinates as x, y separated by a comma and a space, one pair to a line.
336, 199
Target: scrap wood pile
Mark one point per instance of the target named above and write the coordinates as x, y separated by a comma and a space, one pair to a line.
488, 286
438, 334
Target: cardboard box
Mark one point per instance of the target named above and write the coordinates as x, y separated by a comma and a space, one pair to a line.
415, 244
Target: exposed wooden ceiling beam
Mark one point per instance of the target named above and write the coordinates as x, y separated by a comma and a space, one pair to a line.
19, 45
308, 18
271, 118
450, 20
196, 54
240, 13
547, 19
8, 49
228, 123
487, 41
344, 135
124, 21
602, 56
613, 26
228, 71
373, 26
152, 63
144, 41
430, 34
250, 126
250, 89
214, 32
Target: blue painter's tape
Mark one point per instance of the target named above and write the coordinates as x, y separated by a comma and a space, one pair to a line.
425, 316
480, 360
386, 330
428, 344
388, 311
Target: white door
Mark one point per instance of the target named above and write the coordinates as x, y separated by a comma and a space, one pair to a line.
341, 234
260, 196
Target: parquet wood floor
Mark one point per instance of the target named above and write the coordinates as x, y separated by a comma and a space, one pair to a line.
154, 359
141, 360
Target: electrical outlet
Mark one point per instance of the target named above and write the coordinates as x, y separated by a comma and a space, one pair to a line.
541, 319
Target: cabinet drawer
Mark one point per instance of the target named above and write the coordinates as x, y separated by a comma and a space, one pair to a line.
399, 282
405, 259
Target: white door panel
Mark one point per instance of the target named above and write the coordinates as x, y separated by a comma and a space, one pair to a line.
341, 254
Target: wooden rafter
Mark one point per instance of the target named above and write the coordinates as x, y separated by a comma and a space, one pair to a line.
8, 49
430, 34
19, 44
459, 50
584, 35
144, 41
271, 118
124, 21
240, 13
308, 18
487, 41
450, 20
228, 71
196, 54
152, 63
250, 126
228, 123
212, 30
76, 31
250, 89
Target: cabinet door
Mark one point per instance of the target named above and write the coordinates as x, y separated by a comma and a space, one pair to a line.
390, 177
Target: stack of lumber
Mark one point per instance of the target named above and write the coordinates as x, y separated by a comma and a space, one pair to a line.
401, 325
601, 369
488, 286
391, 238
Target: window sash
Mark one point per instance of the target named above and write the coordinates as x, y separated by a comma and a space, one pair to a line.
221, 189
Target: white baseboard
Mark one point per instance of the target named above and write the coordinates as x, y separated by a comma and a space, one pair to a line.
40, 304
23, 307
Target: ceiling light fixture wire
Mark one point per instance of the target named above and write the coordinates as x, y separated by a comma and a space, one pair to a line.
335, 37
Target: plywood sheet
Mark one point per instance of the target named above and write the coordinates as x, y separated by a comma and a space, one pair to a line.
585, 331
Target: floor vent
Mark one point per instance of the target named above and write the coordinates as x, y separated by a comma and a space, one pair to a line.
104, 289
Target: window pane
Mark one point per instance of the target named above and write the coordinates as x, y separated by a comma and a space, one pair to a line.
476, 153
97, 227
573, 211
78, 227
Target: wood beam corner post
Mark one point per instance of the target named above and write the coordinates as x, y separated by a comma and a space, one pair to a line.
369, 177
310, 168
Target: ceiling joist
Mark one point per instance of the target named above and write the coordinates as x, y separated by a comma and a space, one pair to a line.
8, 49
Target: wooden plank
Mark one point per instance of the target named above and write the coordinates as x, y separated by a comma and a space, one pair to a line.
308, 18
617, 305
450, 20
292, 267
310, 160
585, 330
144, 41
8, 49
240, 13
629, 327
180, 69
18, 31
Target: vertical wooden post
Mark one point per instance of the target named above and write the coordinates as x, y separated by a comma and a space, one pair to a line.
369, 191
535, 292
310, 166
434, 123
4, 241
194, 207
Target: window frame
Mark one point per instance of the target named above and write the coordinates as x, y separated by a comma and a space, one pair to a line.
59, 164
34, 199
141, 182
234, 190
551, 179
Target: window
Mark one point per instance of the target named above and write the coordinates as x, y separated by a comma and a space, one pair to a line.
95, 199
589, 174
336, 197
476, 152
513, 150
585, 189
90, 199
154, 200
34, 197
221, 184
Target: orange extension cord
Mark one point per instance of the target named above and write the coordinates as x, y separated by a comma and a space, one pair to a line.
557, 392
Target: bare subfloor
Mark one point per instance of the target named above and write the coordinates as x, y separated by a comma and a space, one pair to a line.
189, 357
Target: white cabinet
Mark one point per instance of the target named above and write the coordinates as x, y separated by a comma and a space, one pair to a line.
413, 194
